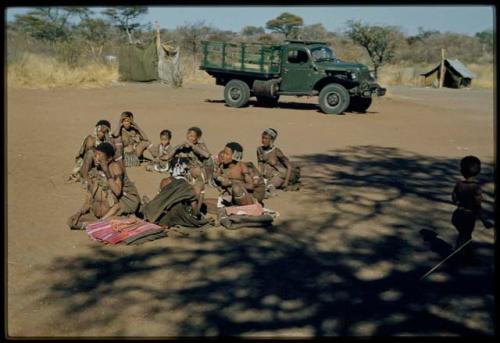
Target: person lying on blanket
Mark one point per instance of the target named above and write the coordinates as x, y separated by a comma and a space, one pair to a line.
233, 177
177, 203
110, 191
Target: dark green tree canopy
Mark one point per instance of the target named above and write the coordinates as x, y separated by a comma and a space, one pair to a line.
126, 18
252, 30
286, 23
486, 38
379, 41
49, 23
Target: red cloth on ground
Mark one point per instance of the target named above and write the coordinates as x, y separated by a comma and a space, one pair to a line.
114, 231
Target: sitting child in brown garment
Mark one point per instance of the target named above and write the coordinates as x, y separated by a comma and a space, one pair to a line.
191, 158
100, 135
160, 153
275, 167
233, 177
259, 185
110, 192
467, 195
131, 140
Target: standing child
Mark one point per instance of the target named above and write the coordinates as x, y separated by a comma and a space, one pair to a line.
467, 195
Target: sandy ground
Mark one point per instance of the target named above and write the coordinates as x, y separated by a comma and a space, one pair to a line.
344, 257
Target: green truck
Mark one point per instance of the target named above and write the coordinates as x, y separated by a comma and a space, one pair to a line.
301, 68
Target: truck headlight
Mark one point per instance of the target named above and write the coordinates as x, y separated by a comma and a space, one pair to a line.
372, 75
353, 76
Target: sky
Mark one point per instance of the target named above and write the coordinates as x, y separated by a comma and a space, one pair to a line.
458, 19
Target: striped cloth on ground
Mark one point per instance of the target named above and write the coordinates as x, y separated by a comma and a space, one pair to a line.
114, 231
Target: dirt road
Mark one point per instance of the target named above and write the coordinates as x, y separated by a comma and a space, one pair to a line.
344, 257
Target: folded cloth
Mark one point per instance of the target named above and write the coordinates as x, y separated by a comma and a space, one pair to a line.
114, 231
172, 206
145, 237
248, 210
239, 221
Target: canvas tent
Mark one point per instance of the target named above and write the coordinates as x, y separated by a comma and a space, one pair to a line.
456, 75
153, 62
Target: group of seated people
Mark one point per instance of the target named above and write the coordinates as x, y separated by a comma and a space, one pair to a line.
102, 161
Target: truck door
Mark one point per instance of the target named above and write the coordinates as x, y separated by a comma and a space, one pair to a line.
297, 71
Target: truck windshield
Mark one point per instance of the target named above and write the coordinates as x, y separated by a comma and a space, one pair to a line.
322, 54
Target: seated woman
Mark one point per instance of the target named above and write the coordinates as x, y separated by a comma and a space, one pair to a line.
191, 158
160, 152
233, 177
131, 140
100, 135
110, 192
277, 170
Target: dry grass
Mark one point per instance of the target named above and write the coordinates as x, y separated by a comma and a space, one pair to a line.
37, 71
484, 75
192, 74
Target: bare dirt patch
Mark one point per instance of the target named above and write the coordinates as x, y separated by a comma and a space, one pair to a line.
345, 254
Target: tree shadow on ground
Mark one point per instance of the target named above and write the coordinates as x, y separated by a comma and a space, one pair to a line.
352, 271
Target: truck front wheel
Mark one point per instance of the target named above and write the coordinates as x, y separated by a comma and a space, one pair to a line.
236, 93
359, 104
334, 99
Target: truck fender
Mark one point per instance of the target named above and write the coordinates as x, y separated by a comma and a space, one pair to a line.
332, 79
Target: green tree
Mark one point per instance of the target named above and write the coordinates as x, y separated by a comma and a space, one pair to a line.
286, 23
316, 32
95, 33
486, 39
379, 41
126, 18
252, 31
49, 23
422, 35
191, 35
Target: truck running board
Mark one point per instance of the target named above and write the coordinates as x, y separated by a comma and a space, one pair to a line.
312, 93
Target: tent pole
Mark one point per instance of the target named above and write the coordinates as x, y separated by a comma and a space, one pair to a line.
157, 35
442, 70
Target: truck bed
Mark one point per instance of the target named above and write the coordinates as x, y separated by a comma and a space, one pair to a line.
245, 57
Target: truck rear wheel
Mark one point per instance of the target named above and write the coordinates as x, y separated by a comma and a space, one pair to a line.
268, 101
359, 104
334, 99
236, 93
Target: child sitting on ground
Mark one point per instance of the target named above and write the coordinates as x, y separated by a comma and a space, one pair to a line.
467, 195
161, 153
